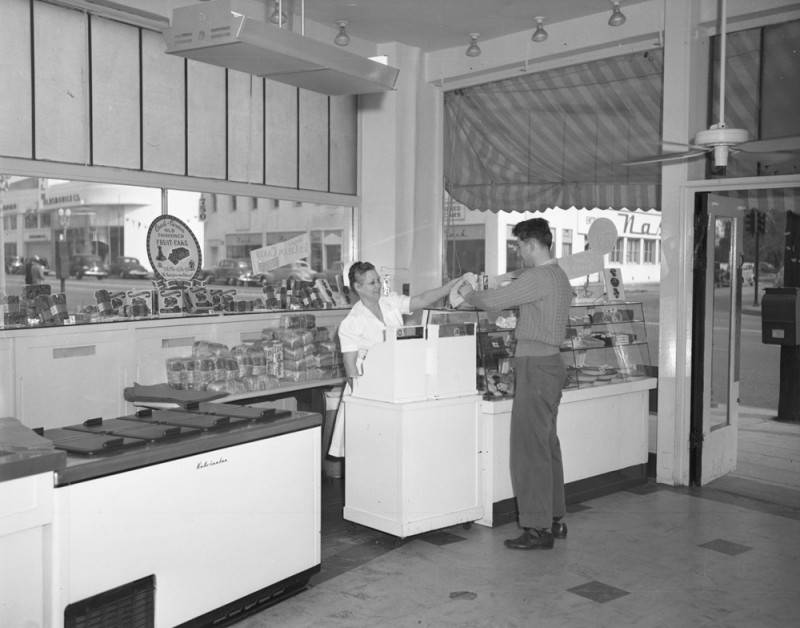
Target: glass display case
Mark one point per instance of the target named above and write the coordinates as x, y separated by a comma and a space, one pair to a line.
495, 347
605, 343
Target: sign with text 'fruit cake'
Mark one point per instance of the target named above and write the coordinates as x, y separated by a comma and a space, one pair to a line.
173, 250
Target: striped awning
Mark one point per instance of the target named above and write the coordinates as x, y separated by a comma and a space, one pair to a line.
556, 138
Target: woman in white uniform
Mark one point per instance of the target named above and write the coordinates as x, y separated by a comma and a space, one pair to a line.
364, 325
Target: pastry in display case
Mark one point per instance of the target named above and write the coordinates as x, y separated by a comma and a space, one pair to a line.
495, 347
606, 343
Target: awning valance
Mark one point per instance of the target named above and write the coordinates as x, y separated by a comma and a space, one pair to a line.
556, 138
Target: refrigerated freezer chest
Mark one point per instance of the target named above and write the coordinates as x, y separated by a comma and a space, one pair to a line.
183, 517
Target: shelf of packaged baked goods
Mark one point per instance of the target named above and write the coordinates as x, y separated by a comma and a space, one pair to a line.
280, 390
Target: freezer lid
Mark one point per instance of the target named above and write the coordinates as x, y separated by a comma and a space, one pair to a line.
89, 444
127, 427
243, 412
204, 422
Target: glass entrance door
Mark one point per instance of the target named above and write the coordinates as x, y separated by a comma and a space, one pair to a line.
715, 390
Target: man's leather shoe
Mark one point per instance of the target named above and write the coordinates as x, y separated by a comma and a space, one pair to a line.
559, 529
531, 538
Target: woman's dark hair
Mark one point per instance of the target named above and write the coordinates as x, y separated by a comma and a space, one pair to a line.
357, 271
536, 228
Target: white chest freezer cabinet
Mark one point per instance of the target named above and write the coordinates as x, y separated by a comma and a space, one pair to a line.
412, 467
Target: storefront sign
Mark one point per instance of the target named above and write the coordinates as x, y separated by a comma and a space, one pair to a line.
36, 235
269, 258
173, 250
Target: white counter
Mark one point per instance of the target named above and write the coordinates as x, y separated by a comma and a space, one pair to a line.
601, 428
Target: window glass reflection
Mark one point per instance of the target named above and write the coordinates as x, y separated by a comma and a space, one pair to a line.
77, 252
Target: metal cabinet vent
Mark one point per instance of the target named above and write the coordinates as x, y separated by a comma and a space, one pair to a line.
131, 605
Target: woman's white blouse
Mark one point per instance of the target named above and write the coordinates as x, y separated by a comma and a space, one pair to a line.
361, 329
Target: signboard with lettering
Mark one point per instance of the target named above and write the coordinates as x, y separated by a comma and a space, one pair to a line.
173, 250
269, 258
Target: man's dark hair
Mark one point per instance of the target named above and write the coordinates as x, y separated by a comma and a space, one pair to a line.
536, 228
357, 271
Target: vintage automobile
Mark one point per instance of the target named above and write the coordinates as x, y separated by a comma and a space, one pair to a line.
87, 265
767, 274
227, 271
299, 271
15, 265
128, 268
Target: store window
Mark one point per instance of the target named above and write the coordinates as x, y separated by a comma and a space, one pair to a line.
92, 242
650, 256
566, 242
633, 253
617, 251
466, 249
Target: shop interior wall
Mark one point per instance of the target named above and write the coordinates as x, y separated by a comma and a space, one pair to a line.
91, 91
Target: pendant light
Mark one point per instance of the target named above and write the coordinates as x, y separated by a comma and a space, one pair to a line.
342, 38
473, 50
539, 35
278, 15
617, 16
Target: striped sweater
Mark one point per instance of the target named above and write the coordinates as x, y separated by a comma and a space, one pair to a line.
543, 294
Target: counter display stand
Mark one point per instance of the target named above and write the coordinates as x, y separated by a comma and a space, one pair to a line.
411, 433
603, 416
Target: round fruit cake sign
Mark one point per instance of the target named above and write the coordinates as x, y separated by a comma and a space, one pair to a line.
173, 250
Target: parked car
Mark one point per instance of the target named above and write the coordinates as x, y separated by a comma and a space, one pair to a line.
299, 271
15, 265
227, 271
128, 267
767, 273
87, 265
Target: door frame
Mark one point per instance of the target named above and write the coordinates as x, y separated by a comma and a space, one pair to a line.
675, 316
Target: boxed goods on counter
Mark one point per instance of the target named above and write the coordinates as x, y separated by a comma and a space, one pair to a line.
281, 355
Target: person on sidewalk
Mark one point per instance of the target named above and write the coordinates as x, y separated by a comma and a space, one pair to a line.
543, 294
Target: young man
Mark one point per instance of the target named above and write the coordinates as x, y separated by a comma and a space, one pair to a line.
543, 294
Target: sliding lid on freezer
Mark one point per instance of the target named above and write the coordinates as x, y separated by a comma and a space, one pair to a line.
89, 444
129, 427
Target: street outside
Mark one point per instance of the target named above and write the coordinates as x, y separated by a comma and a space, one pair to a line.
760, 364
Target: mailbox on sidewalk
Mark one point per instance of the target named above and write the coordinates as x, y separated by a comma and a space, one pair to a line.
780, 316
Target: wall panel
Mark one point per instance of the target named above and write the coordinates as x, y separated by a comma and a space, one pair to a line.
206, 142
245, 127
116, 122
344, 137
280, 131
61, 83
313, 157
163, 107
16, 118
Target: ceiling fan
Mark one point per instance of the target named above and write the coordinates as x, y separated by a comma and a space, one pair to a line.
720, 139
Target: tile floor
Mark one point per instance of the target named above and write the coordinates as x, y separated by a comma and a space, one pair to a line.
654, 557
726, 554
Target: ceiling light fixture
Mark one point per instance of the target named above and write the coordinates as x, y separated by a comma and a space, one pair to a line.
617, 16
342, 38
473, 50
539, 34
278, 15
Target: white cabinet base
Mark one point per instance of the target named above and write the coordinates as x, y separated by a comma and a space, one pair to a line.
412, 467
601, 429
